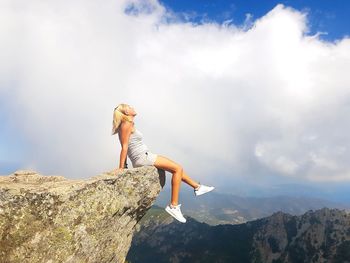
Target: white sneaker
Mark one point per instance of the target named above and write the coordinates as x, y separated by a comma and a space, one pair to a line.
176, 212
203, 189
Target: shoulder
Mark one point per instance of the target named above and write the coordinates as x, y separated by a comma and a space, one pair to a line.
126, 125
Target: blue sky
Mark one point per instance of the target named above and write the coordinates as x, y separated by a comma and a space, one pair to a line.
235, 107
331, 16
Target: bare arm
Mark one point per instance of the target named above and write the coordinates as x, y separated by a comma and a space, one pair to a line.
124, 134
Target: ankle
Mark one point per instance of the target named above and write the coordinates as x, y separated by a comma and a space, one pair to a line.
196, 188
173, 205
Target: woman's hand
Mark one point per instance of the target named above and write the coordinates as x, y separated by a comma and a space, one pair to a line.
118, 171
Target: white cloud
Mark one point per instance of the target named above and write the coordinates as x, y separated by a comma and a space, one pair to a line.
213, 98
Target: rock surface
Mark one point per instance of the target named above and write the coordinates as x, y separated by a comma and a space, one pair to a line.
54, 219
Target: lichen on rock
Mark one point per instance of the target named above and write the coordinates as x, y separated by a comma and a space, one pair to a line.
54, 219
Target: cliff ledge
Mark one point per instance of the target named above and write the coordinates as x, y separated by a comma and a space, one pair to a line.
54, 219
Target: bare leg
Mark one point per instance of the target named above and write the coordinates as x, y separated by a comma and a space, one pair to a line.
188, 180
178, 176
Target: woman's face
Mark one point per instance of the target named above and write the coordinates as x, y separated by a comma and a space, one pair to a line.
131, 111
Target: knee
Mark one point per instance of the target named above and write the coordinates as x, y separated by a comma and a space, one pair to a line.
178, 169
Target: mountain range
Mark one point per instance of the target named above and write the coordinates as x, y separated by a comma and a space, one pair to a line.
220, 208
322, 235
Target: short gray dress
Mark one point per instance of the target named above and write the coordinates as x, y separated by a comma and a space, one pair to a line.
138, 152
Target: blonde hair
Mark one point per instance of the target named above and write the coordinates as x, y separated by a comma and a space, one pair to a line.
119, 116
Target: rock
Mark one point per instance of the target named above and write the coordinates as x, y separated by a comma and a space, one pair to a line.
54, 219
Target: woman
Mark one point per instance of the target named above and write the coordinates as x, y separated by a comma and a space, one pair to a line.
132, 146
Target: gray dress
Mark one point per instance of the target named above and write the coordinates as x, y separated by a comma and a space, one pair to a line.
138, 152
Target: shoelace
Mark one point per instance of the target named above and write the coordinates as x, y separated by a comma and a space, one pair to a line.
176, 207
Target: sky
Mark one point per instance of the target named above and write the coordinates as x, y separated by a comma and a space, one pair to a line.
328, 18
237, 92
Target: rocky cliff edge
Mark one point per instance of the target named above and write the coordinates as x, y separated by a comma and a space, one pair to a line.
54, 219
